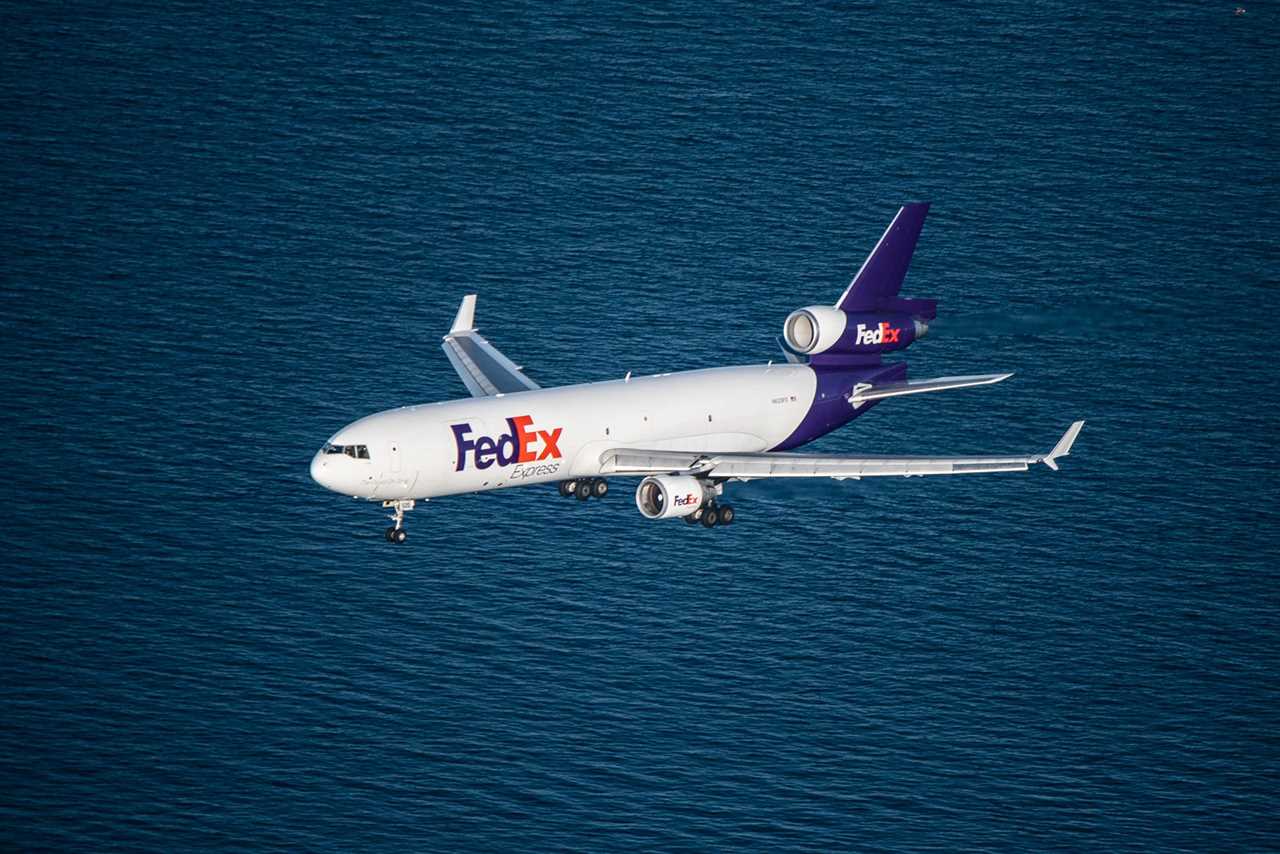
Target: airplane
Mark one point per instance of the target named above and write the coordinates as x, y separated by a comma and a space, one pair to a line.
685, 434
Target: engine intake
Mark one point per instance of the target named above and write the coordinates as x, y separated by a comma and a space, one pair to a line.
669, 496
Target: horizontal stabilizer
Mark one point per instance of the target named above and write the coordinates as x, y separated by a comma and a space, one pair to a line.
864, 392
791, 356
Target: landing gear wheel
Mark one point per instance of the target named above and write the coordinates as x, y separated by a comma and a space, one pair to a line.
710, 517
725, 514
396, 533
691, 519
566, 488
599, 487
583, 490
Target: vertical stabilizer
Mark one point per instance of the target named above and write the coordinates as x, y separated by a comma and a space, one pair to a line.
878, 281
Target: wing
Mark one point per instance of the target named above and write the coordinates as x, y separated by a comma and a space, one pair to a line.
482, 367
626, 461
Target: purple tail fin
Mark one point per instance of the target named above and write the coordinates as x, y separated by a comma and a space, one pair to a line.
876, 286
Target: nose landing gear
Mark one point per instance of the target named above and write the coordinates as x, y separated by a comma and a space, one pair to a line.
396, 533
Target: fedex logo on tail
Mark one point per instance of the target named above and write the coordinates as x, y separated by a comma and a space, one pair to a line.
521, 444
882, 334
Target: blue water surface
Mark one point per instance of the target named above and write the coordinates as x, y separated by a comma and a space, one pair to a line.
228, 230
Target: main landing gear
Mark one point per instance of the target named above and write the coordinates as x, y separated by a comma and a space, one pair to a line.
712, 515
396, 533
587, 487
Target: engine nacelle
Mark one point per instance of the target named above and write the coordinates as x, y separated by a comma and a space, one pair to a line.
814, 329
824, 329
669, 496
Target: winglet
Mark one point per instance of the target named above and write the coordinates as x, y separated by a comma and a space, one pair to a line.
1064, 445
466, 317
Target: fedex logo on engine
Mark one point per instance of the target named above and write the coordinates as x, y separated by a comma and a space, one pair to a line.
521, 444
882, 334
686, 500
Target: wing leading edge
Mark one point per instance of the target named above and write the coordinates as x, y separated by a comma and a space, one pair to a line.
480, 365
740, 466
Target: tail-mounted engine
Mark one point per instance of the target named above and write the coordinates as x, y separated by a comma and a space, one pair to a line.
825, 329
669, 496
870, 317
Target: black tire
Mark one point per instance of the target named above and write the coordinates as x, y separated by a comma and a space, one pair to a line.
691, 519
726, 514
566, 488
399, 536
387, 533
583, 490
710, 517
599, 488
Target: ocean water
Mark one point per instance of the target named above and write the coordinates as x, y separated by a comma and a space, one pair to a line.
226, 231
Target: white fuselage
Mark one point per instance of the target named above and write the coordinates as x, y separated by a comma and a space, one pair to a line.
547, 435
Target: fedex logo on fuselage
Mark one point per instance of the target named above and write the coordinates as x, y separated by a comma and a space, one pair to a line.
521, 444
882, 334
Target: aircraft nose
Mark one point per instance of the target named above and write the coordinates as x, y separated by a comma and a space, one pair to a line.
321, 471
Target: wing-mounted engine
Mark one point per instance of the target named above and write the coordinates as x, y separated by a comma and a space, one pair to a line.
670, 496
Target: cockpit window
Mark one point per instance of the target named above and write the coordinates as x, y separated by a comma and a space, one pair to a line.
358, 452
